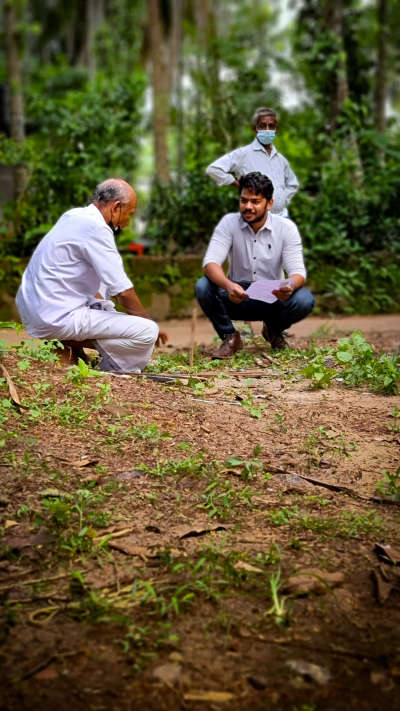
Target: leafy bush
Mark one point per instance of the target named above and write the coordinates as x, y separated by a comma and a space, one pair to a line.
82, 138
182, 217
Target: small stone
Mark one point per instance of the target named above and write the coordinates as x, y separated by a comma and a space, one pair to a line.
257, 681
309, 671
168, 673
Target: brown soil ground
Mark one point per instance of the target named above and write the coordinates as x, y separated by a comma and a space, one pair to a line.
138, 561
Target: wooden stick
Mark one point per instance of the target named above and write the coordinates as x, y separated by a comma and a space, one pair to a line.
193, 335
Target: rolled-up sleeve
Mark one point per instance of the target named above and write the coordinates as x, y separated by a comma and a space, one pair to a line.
220, 243
221, 170
292, 253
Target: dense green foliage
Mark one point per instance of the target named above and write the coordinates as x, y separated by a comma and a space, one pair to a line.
81, 134
84, 124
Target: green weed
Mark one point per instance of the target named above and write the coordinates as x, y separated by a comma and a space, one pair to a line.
394, 425
279, 609
282, 517
219, 497
255, 410
249, 468
43, 351
390, 485
356, 364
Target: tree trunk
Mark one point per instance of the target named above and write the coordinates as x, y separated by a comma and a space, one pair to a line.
14, 77
333, 17
380, 75
94, 17
160, 92
180, 121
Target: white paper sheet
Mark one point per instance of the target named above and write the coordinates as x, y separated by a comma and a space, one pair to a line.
262, 290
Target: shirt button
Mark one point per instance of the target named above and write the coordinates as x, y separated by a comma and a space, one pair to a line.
254, 257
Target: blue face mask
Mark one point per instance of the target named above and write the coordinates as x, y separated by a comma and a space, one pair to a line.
266, 137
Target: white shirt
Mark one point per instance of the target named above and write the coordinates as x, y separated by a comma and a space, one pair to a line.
254, 157
256, 255
66, 270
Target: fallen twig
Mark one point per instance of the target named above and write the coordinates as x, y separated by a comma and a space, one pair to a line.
335, 487
116, 534
46, 662
36, 580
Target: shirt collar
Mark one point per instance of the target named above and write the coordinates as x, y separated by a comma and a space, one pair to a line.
266, 226
98, 215
256, 146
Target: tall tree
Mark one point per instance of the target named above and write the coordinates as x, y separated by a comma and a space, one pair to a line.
164, 36
12, 23
380, 76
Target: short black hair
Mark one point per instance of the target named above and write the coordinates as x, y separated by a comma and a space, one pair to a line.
258, 184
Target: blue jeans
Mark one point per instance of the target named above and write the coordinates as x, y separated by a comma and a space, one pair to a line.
277, 316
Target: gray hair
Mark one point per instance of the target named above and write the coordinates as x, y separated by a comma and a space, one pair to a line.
263, 111
112, 189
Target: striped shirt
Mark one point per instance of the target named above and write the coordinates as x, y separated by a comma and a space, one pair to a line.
254, 157
256, 255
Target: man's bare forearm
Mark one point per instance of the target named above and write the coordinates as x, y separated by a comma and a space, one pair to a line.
217, 275
131, 303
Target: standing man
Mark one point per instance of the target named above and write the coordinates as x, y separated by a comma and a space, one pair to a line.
72, 268
261, 156
258, 245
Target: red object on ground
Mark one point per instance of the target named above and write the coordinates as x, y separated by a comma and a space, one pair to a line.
136, 248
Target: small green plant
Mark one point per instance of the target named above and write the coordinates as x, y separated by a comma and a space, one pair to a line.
390, 485
77, 374
394, 424
280, 420
272, 557
251, 407
44, 351
249, 468
279, 608
193, 465
284, 516
219, 496
320, 375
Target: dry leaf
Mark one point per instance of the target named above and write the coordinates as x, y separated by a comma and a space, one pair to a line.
242, 565
212, 696
79, 463
11, 387
130, 548
10, 524
312, 581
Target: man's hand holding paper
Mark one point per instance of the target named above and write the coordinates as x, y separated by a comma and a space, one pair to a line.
269, 290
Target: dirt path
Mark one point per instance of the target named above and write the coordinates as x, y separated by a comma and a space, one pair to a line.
388, 325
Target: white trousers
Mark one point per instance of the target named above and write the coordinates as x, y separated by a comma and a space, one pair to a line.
125, 342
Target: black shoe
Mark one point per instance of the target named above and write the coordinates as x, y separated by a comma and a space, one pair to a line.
275, 338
